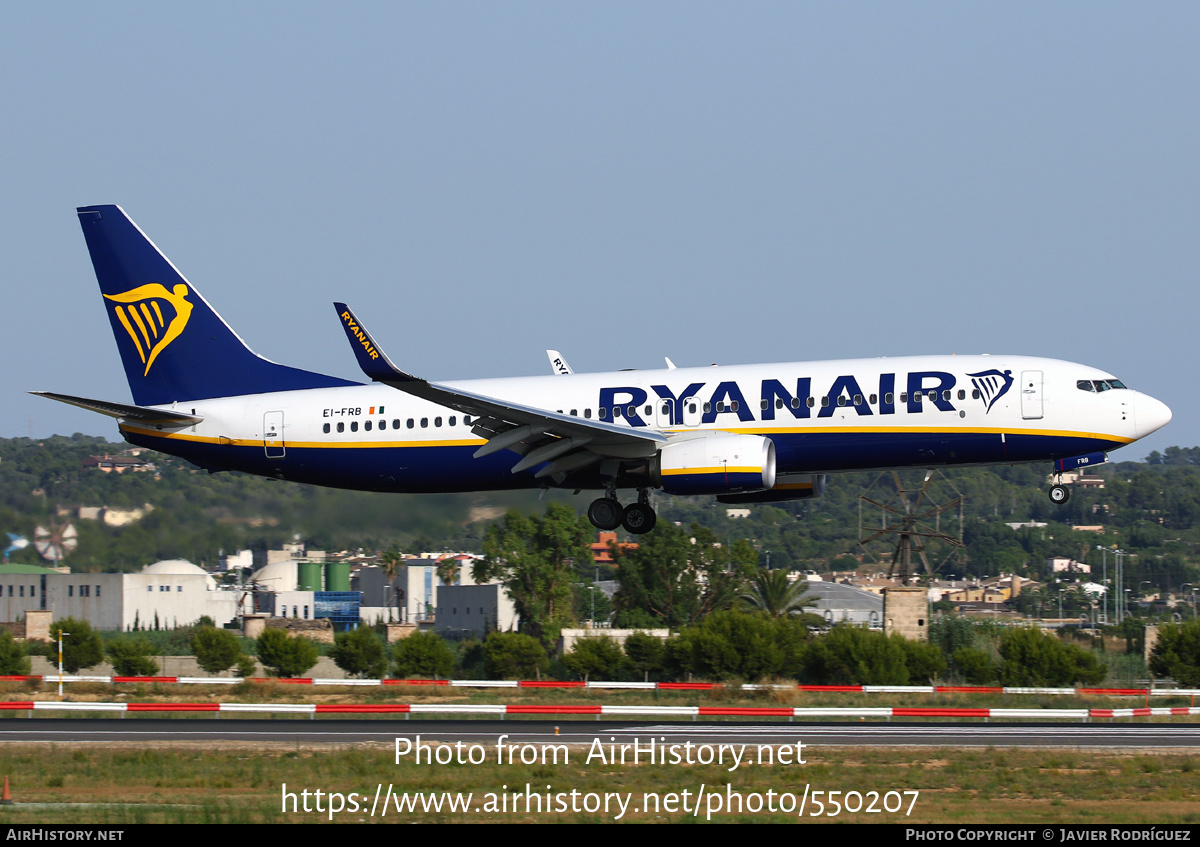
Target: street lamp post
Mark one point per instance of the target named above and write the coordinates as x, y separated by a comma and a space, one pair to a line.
60, 663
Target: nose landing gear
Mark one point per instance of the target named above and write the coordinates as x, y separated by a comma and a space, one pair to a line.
1059, 494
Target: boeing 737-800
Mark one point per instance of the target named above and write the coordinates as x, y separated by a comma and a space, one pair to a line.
745, 433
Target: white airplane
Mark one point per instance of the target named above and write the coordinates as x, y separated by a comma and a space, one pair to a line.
745, 433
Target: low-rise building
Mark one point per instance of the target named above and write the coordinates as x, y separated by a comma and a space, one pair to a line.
166, 594
472, 611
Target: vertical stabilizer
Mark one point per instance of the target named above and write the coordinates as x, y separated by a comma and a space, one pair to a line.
174, 346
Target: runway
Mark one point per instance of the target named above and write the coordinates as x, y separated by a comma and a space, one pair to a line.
1142, 736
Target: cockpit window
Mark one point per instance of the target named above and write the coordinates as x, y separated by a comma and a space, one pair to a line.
1097, 385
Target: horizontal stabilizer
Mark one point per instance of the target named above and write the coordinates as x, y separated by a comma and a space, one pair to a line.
142, 414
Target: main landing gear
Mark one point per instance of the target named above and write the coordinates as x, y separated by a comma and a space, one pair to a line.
637, 518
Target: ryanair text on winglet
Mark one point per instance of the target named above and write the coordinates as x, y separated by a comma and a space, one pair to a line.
360, 335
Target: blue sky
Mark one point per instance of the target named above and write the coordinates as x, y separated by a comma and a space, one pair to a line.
620, 181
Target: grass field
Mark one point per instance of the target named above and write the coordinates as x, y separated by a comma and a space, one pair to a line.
239, 783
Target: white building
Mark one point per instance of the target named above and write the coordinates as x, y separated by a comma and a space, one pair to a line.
171, 593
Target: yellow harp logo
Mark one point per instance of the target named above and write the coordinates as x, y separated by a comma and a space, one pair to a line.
140, 311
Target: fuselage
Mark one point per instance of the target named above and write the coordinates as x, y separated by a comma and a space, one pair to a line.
823, 417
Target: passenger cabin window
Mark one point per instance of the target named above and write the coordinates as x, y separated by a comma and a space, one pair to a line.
341, 427
325, 428
354, 426
367, 426
962, 395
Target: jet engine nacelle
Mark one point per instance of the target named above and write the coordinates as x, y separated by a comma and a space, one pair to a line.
715, 463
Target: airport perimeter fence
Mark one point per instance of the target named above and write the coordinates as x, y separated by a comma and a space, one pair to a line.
618, 686
502, 711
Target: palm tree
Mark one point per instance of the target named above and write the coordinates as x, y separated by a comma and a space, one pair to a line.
772, 592
448, 569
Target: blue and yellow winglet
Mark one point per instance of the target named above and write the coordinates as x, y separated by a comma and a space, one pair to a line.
373, 361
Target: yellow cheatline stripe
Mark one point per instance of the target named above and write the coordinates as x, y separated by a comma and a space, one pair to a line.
936, 430
678, 471
258, 442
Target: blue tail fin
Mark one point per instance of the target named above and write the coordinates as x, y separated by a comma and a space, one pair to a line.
173, 345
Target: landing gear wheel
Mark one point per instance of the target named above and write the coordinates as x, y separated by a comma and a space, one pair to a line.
639, 518
1059, 494
605, 513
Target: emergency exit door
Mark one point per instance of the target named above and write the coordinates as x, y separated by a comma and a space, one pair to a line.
273, 435
1031, 395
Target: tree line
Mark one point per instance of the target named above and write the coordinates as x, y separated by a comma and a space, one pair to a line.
727, 646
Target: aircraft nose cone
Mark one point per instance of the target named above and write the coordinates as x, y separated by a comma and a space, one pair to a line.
1150, 415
